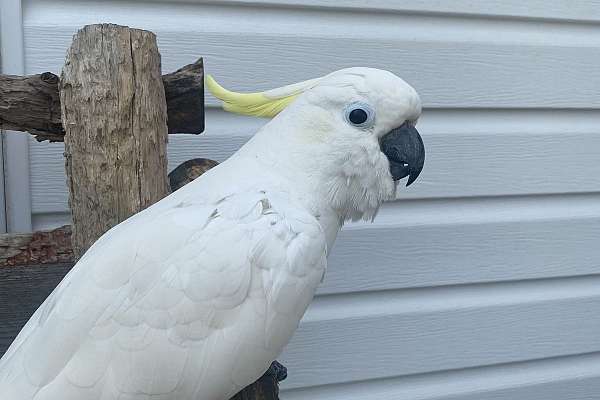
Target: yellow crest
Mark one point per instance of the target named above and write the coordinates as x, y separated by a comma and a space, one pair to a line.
261, 104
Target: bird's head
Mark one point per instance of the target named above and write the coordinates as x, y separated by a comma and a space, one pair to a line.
352, 132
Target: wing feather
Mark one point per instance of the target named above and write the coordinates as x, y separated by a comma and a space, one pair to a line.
169, 302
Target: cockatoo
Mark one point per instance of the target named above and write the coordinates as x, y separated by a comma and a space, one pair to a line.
194, 297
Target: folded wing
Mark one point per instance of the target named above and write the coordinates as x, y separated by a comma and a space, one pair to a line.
193, 298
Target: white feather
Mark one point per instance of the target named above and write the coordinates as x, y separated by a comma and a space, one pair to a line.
206, 300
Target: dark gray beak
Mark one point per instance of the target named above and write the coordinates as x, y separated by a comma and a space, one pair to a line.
404, 149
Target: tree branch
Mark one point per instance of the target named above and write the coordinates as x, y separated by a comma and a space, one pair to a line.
32, 104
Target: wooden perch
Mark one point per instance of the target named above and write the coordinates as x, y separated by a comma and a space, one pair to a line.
32, 103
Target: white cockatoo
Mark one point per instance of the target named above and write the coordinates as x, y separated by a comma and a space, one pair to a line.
194, 297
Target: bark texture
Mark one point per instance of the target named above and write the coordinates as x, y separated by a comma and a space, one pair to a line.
114, 112
44, 247
32, 103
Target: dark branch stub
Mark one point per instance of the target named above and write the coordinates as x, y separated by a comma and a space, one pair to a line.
188, 171
184, 90
266, 387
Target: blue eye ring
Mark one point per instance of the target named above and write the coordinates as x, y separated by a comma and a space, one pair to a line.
359, 114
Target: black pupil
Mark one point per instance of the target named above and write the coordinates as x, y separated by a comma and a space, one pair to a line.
358, 116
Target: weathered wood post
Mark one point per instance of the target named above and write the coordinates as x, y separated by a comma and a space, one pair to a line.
115, 119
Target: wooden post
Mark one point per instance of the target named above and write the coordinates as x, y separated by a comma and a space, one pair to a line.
114, 113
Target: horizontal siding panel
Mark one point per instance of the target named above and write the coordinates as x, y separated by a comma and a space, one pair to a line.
43, 222
556, 9
332, 22
379, 335
579, 388
457, 164
445, 73
467, 241
562, 378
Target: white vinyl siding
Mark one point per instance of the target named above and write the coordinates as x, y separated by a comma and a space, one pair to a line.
483, 281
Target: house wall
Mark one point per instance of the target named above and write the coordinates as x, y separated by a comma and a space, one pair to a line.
483, 280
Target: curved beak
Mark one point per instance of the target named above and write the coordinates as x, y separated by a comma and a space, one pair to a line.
405, 151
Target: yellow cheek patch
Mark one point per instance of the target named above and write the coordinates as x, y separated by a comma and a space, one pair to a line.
261, 104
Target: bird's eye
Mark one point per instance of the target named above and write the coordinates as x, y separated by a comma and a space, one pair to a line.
360, 115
